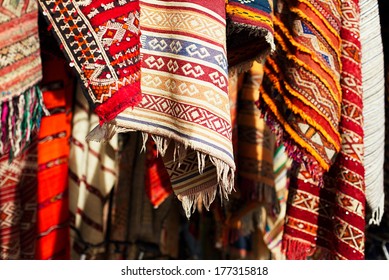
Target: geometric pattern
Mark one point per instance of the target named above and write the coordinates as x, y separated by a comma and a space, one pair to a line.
20, 62
184, 79
18, 187
327, 218
348, 171
20, 72
301, 89
101, 42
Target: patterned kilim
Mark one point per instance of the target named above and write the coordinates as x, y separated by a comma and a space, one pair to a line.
255, 143
184, 86
92, 175
301, 93
53, 240
20, 71
348, 170
249, 32
373, 83
101, 41
328, 222
18, 186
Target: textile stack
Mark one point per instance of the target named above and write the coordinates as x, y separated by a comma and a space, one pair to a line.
177, 129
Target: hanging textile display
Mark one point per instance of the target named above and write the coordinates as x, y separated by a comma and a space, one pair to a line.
373, 85
18, 188
101, 41
184, 102
184, 86
92, 176
185, 93
348, 170
328, 221
53, 155
20, 70
301, 93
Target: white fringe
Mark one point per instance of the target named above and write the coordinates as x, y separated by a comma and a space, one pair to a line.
225, 174
189, 202
378, 212
102, 133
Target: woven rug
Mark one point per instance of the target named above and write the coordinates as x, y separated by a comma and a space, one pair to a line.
92, 176
18, 191
373, 84
101, 41
301, 94
348, 170
20, 71
185, 105
327, 222
52, 240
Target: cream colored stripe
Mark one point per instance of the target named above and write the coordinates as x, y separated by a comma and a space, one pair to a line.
187, 59
195, 181
184, 4
213, 30
184, 127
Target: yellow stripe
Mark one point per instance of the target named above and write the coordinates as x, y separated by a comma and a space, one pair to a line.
297, 110
291, 131
314, 58
248, 14
323, 19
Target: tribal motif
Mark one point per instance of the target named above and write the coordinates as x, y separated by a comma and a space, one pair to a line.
101, 41
20, 71
301, 89
327, 220
185, 96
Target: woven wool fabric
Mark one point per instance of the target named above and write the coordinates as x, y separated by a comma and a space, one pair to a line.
92, 175
250, 32
185, 101
20, 71
301, 94
328, 222
373, 83
18, 186
348, 170
255, 144
101, 41
52, 240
